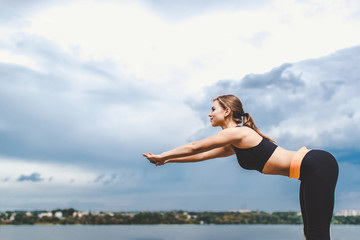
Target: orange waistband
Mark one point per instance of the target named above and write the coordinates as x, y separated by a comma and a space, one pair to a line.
296, 162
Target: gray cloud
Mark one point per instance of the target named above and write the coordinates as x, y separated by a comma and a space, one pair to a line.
98, 178
311, 94
275, 79
267, 96
111, 179
6, 179
119, 179
34, 177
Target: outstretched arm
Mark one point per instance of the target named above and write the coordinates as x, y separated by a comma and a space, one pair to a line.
211, 146
211, 154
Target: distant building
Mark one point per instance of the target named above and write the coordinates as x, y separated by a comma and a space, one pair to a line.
347, 213
80, 214
58, 214
110, 214
46, 214
240, 210
189, 216
12, 217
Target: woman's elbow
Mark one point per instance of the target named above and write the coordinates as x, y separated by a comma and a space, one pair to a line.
195, 147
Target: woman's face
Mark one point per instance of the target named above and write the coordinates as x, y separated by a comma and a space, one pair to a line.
217, 114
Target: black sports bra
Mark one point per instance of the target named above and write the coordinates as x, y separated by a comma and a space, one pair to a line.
255, 158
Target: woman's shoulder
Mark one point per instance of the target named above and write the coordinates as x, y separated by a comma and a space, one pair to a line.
239, 132
243, 129
245, 137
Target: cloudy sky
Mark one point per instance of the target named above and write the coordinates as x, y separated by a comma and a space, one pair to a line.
87, 86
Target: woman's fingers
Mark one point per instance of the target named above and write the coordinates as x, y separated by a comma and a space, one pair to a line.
153, 159
150, 156
147, 155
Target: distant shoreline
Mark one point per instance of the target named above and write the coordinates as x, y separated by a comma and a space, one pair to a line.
242, 217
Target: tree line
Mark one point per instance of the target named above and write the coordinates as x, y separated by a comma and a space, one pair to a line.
170, 217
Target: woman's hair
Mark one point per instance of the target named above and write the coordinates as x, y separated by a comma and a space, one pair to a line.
238, 114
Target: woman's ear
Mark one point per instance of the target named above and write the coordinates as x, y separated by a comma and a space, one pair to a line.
227, 112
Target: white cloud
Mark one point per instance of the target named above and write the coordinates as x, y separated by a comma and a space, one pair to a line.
204, 48
8, 57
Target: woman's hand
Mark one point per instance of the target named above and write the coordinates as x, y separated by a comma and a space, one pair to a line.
155, 159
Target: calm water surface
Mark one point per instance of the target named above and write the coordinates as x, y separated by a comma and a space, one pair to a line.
169, 232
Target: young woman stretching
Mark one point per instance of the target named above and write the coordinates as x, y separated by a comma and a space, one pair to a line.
316, 169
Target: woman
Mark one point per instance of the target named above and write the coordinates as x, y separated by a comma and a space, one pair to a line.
316, 169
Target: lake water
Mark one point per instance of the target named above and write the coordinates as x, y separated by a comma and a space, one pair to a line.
169, 232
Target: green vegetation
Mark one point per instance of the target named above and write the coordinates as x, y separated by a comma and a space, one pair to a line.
346, 220
71, 216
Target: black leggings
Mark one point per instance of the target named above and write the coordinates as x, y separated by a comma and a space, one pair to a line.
318, 174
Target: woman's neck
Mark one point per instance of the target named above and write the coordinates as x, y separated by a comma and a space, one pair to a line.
229, 124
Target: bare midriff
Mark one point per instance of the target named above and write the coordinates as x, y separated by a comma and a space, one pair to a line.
286, 163
279, 162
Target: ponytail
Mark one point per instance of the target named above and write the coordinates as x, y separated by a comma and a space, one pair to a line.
248, 121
